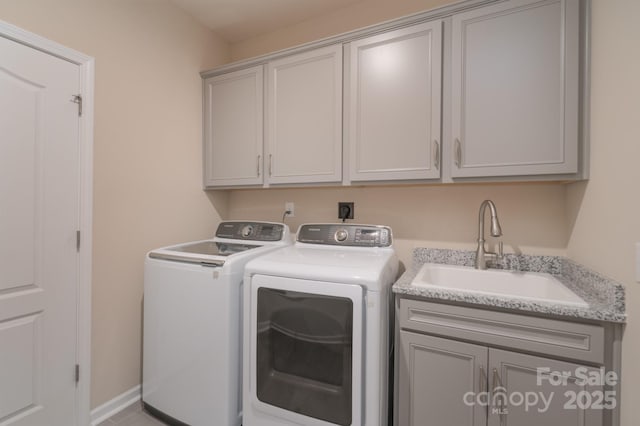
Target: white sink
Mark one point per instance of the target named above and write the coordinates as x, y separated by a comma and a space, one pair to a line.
537, 287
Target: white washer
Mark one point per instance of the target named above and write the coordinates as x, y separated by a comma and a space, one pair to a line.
316, 329
192, 323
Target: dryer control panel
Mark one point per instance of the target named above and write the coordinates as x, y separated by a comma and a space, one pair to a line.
345, 235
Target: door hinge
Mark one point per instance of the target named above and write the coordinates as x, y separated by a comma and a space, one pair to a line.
78, 241
77, 373
77, 99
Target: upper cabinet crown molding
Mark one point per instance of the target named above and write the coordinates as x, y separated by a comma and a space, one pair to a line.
480, 90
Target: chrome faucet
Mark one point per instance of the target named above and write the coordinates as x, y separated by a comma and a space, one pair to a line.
482, 255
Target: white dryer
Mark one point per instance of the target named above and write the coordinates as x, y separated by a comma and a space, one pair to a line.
316, 329
192, 324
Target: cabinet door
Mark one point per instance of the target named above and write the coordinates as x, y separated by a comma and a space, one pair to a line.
233, 128
518, 375
394, 104
434, 377
304, 117
515, 89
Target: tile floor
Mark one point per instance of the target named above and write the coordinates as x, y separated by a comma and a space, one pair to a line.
132, 416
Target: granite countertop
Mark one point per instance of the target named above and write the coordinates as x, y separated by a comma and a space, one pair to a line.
606, 298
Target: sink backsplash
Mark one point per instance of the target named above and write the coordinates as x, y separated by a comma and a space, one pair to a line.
513, 262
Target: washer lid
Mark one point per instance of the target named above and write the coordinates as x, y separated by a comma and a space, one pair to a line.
232, 238
202, 252
213, 248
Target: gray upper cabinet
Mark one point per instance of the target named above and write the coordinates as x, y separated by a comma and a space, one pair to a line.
394, 104
233, 128
463, 93
304, 117
515, 89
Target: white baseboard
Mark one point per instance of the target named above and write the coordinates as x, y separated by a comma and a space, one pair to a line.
117, 404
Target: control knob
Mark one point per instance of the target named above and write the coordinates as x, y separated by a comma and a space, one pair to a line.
246, 231
341, 235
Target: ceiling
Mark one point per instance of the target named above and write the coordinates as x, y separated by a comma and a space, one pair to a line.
237, 20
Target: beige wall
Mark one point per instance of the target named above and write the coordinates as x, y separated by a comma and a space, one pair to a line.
147, 152
357, 15
532, 215
604, 214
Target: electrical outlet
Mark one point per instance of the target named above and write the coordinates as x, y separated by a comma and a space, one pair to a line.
289, 206
345, 210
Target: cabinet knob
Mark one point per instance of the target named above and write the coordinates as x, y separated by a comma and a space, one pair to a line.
270, 164
436, 154
258, 165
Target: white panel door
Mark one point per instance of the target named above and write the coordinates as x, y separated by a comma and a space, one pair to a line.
515, 89
304, 117
233, 132
394, 104
39, 216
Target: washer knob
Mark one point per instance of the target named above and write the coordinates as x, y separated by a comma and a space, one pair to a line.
341, 235
246, 231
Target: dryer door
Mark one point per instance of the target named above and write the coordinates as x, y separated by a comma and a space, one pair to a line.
306, 350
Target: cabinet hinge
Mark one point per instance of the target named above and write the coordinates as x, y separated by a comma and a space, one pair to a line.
78, 241
77, 99
77, 373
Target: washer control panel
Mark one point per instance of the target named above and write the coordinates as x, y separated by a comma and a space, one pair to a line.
345, 235
254, 231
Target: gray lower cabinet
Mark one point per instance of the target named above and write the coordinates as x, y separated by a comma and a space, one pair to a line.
435, 375
460, 366
544, 401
